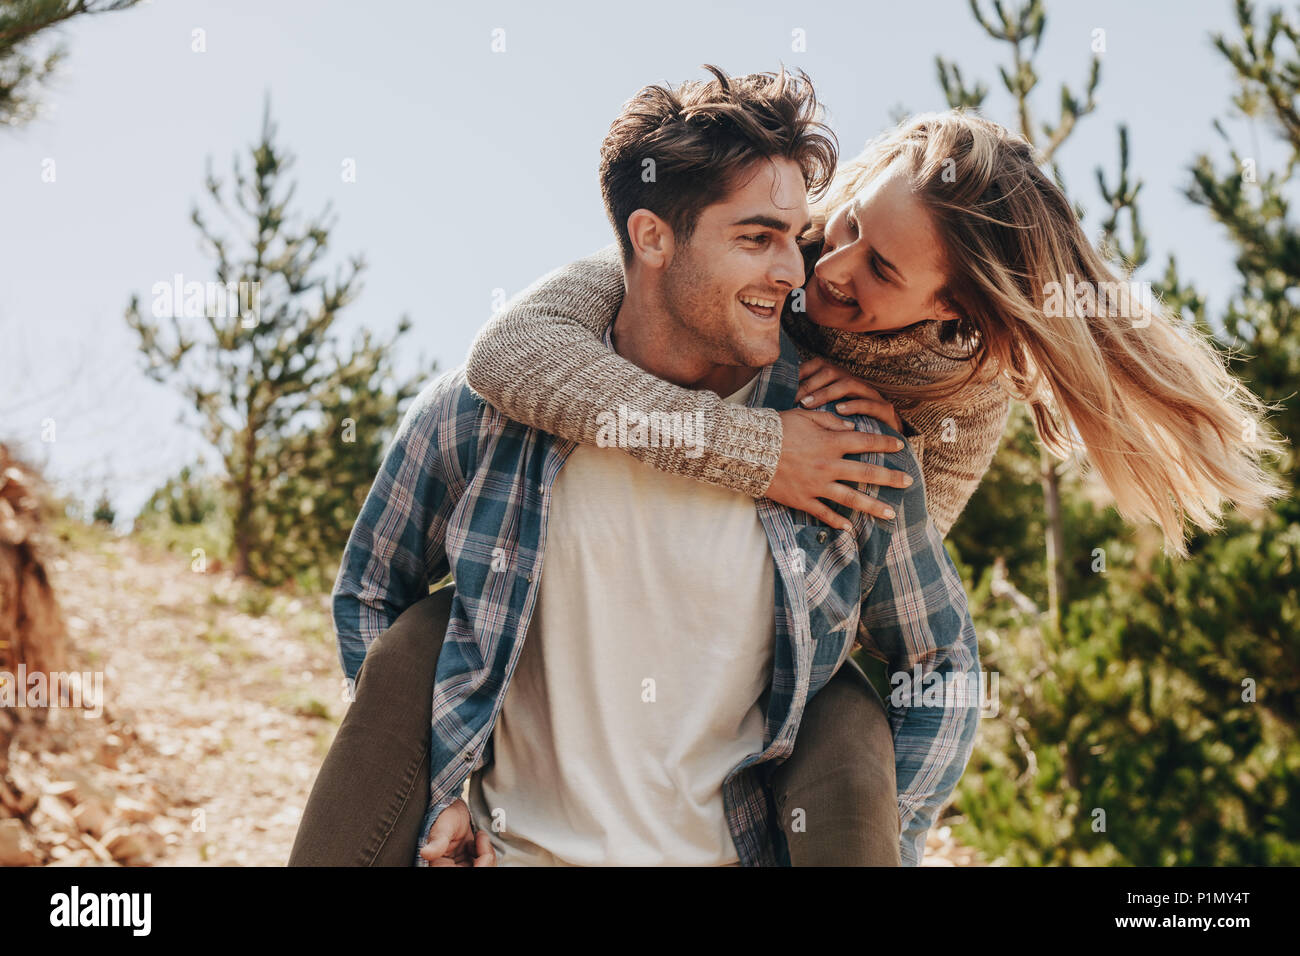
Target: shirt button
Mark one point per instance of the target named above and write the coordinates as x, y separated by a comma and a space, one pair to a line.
468, 756
821, 537
530, 579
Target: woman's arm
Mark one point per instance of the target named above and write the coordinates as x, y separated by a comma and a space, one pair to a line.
542, 361
955, 439
960, 441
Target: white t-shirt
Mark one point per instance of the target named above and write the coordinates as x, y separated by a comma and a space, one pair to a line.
637, 688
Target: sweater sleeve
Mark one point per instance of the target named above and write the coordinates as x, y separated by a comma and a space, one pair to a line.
957, 445
542, 361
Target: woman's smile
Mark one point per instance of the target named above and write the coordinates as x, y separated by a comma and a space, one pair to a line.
833, 293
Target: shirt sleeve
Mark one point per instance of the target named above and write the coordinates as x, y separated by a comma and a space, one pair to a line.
397, 547
915, 618
430, 814
543, 361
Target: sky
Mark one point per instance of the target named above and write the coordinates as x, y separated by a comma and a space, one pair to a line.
476, 168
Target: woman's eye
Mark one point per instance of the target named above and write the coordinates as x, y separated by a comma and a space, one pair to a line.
875, 267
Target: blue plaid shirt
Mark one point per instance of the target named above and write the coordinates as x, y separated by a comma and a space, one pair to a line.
465, 489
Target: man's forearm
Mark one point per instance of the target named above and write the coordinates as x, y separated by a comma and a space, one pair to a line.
397, 546
355, 631
361, 614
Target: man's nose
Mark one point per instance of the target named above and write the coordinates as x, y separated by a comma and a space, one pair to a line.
787, 269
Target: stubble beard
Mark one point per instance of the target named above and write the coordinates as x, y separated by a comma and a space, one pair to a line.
704, 315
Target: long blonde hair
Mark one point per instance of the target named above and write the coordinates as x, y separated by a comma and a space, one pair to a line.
1104, 369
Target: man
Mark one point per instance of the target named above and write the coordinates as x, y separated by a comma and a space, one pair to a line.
625, 706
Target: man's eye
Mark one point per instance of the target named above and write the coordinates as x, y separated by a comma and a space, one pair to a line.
762, 238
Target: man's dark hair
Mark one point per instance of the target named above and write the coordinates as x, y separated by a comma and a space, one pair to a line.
699, 136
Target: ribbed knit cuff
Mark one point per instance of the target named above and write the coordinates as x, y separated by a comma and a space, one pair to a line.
742, 454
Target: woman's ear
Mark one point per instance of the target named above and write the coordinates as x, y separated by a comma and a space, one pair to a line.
943, 311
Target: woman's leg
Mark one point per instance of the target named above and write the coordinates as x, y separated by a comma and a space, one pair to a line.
370, 796
841, 776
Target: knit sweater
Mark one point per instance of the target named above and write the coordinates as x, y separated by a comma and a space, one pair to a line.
542, 361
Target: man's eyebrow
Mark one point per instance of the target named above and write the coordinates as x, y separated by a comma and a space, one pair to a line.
770, 222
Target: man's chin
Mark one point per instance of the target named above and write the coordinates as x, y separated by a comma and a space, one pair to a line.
762, 356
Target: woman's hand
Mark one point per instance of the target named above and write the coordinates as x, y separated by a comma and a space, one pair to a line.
821, 382
812, 467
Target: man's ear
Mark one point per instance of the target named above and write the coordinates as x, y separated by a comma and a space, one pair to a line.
652, 239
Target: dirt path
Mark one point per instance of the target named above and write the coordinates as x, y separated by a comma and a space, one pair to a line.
220, 701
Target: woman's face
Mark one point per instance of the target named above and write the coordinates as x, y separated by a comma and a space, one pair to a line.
881, 262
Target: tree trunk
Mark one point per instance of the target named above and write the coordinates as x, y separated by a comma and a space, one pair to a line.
244, 504
1055, 538
31, 627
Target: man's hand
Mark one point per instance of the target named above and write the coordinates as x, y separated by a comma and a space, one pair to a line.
453, 842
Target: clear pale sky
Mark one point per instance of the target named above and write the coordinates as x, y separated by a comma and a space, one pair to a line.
476, 170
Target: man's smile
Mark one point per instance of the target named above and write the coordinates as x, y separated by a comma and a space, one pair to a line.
761, 306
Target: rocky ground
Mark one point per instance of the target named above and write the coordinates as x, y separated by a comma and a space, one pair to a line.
219, 702
220, 699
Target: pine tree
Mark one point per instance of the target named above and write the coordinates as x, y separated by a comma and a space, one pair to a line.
22, 24
103, 512
1159, 726
257, 356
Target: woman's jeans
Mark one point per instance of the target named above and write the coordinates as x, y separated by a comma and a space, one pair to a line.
835, 794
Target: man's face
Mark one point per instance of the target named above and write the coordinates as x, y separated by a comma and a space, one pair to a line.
725, 287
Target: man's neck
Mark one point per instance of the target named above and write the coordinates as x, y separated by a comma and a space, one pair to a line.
645, 335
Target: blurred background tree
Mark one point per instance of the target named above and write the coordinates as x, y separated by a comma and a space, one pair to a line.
24, 24
1148, 711
299, 422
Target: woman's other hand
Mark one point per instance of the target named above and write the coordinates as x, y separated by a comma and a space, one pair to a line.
821, 382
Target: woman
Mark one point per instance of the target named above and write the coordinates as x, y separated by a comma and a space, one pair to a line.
947, 275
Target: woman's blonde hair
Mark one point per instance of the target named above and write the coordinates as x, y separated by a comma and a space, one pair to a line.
1104, 368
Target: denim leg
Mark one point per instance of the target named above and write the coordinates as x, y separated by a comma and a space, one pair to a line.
372, 792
